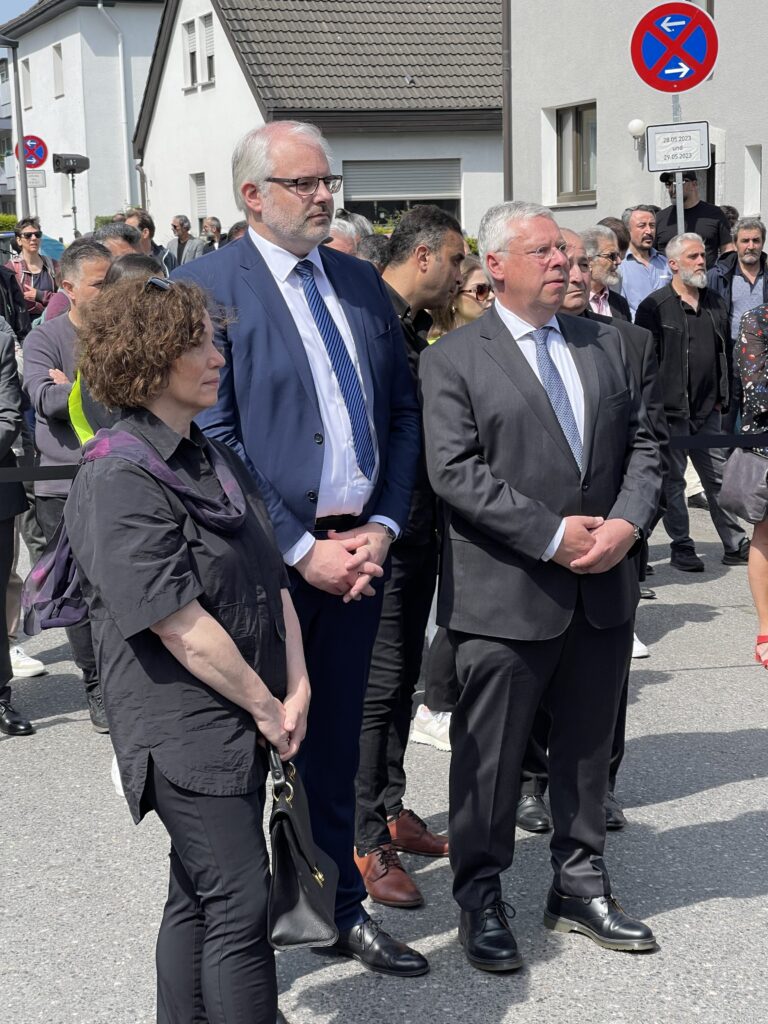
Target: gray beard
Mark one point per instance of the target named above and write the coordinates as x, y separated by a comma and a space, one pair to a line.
694, 278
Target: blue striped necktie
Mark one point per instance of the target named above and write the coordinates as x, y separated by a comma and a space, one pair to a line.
556, 393
343, 368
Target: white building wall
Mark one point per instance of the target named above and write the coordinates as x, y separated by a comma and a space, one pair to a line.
580, 53
194, 130
86, 118
480, 154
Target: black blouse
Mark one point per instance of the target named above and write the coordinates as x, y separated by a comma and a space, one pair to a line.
141, 557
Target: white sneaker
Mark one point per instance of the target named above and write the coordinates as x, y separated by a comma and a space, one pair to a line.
23, 666
639, 650
432, 728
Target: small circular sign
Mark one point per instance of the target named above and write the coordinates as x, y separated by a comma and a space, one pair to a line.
35, 151
674, 47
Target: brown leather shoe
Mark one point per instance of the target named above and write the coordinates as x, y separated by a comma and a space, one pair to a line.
386, 879
411, 835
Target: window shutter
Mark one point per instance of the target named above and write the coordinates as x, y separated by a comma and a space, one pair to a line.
190, 44
199, 201
207, 23
369, 180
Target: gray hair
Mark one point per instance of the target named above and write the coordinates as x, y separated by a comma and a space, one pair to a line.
252, 157
748, 224
118, 229
215, 221
339, 226
676, 245
593, 239
500, 224
640, 208
183, 220
83, 250
362, 225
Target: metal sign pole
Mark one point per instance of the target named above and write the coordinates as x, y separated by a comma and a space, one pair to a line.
677, 117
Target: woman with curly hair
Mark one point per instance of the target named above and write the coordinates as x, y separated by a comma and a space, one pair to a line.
195, 634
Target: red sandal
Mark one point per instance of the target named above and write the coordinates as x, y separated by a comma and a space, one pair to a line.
762, 660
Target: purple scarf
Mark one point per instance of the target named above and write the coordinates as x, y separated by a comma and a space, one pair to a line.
52, 596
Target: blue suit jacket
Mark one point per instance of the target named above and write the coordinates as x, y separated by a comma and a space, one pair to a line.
267, 408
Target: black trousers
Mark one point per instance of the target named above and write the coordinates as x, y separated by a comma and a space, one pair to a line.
338, 641
441, 689
394, 673
214, 961
7, 540
49, 511
502, 685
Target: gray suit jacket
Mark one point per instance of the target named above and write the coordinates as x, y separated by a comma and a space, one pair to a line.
195, 247
498, 459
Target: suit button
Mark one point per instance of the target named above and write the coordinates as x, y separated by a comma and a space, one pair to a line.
585, 487
318, 438
312, 495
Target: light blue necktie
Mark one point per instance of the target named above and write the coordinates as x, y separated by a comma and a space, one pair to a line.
343, 367
558, 396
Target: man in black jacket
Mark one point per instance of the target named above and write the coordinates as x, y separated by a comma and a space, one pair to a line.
12, 304
741, 280
689, 323
425, 255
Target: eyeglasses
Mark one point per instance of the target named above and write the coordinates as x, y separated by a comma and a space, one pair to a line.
306, 187
31, 234
613, 257
544, 253
480, 292
158, 282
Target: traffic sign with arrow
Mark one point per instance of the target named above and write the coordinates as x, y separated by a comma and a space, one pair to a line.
674, 47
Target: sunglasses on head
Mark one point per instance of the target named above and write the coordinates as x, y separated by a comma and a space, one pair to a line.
161, 283
31, 234
479, 292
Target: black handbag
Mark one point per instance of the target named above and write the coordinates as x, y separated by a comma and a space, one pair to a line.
302, 893
744, 491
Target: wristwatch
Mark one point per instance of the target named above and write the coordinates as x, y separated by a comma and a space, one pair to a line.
638, 533
390, 532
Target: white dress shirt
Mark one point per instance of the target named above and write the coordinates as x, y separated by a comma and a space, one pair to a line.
344, 488
522, 333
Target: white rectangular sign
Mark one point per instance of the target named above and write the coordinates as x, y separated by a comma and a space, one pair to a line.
35, 179
678, 147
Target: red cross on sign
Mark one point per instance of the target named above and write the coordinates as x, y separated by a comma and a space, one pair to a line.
674, 47
35, 151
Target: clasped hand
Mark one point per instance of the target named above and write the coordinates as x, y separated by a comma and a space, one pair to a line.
592, 544
346, 563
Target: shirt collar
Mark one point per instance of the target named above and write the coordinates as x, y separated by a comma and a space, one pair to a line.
164, 439
280, 261
518, 327
421, 321
651, 256
602, 294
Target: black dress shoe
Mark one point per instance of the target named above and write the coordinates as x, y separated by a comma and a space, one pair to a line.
650, 570
699, 501
600, 919
487, 938
739, 556
377, 951
647, 594
12, 723
614, 815
532, 814
686, 560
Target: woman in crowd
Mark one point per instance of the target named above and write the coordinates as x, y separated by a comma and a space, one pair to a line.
35, 273
472, 299
753, 367
196, 638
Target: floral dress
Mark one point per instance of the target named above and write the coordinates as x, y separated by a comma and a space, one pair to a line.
753, 368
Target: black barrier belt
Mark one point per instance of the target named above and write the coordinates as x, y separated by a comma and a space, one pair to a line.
24, 474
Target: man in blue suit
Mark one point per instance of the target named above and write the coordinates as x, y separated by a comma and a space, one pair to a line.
316, 396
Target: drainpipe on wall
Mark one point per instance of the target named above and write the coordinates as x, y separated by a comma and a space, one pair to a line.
123, 104
142, 185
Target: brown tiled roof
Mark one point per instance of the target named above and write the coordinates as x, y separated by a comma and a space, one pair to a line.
370, 54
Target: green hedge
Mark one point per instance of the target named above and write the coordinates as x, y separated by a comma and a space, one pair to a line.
100, 221
8, 221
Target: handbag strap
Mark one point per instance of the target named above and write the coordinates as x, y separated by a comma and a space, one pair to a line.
281, 772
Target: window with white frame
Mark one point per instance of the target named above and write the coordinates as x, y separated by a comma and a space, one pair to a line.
199, 203
206, 47
577, 153
26, 85
189, 39
58, 71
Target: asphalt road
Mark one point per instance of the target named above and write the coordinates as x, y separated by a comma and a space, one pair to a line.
83, 888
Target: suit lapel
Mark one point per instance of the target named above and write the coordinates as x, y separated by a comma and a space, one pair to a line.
356, 322
258, 277
584, 358
503, 349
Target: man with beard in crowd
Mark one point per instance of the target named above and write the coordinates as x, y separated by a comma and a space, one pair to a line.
602, 250
644, 268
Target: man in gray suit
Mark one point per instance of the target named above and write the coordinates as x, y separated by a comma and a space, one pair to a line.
184, 247
539, 444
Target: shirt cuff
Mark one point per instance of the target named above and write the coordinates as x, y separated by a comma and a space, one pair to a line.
386, 522
554, 544
300, 548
